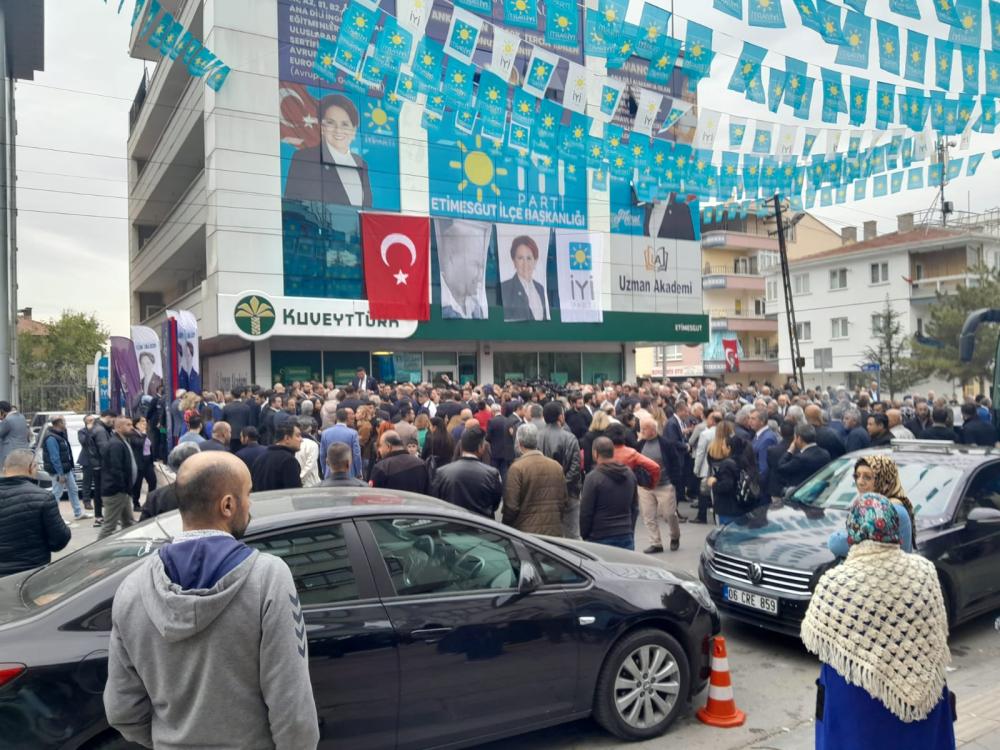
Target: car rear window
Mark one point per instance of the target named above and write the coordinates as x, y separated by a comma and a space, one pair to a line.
95, 562
929, 486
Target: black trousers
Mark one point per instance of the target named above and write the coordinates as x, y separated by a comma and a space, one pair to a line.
98, 504
86, 486
145, 472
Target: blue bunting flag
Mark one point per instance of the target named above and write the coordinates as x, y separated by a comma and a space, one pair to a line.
906, 8
765, 14
888, 47
969, 28
653, 27
944, 53
916, 54
859, 100
857, 36
970, 70
732, 8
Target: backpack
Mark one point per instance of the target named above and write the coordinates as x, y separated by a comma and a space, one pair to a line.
642, 477
748, 485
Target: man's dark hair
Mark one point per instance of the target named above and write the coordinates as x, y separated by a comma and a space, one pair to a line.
198, 488
787, 429
105, 413
616, 433
238, 393
58, 422
472, 439
194, 422
393, 439
404, 410
645, 402
338, 456
250, 433
551, 412
880, 419
275, 398
939, 415
284, 430
806, 433
588, 398
968, 412
604, 448
6, 406
342, 415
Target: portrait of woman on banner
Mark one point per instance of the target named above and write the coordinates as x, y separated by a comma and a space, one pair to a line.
330, 172
522, 295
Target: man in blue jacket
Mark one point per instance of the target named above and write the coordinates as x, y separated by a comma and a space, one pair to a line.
764, 438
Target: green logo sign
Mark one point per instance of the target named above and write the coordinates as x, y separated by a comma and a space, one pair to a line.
254, 315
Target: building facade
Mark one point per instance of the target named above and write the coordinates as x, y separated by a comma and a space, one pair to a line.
840, 295
220, 214
737, 256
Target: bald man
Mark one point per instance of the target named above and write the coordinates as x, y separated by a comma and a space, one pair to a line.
826, 437
899, 432
208, 644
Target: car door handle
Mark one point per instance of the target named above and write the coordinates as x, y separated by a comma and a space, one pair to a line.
430, 634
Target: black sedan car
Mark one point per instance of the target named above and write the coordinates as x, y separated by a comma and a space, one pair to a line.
763, 568
428, 627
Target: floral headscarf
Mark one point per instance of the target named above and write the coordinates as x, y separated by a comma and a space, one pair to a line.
872, 517
887, 483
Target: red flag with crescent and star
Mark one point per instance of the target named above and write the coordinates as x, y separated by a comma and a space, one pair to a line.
397, 252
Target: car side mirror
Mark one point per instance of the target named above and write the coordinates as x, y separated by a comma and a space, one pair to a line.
984, 515
529, 579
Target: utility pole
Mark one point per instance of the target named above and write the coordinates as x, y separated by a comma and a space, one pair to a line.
786, 280
942, 154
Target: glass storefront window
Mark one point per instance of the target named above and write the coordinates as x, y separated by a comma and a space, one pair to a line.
600, 366
467, 368
560, 367
409, 367
287, 367
439, 358
341, 366
515, 366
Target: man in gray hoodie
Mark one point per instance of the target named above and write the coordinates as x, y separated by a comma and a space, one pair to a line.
208, 643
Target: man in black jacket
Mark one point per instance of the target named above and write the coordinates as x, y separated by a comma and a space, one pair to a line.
775, 485
100, 433
558, 443
277, 468
31, 528
921, 422
974, 430
609, 505
398, 469
118, 474
501, 440
239, 415
268, 419
878, 431
338, 467
803, 457
826, 437
164, 498
577, 417
939, 430
468, 482
86, 462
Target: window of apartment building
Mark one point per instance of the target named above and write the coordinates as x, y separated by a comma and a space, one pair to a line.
877, 323
879, 273
738, 306
673, 352
804, 331
759, 307
772, 290
838, 278
741, 266
800, 283
838, 328
767, 260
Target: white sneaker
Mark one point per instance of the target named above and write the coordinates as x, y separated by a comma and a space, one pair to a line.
83, 515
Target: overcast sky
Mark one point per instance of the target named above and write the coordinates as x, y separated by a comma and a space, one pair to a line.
79, 105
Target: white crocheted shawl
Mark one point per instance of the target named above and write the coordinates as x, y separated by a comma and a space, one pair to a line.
879, 620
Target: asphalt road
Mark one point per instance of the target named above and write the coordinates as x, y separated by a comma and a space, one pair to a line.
773, 680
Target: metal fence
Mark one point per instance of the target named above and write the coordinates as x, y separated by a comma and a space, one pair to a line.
55, 397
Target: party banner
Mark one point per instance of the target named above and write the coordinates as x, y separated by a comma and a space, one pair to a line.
188, 359
522, 256
147, 352
579, 269
462, 248
126, 385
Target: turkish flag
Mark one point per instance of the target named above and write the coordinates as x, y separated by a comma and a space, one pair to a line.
732, 351
397, 266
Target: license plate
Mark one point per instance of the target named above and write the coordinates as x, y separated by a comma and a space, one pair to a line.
749, 599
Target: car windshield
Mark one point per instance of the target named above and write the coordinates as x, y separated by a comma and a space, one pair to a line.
95, 562
928, 485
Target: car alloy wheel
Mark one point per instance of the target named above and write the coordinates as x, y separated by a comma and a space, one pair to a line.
644, 684
647, 686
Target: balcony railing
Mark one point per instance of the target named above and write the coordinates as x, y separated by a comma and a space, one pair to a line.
720, 313
729, 270
929, 287
140, 98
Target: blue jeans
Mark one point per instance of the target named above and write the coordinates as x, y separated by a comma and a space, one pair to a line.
728, 519
71, 489
625, 541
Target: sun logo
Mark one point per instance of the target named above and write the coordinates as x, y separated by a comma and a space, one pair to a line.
361, 22
581, 83
492, 94
752, 84
595, 152
886, 100
477, 169
465, 35
830, 27
764, 3
458, 78
778, 90
730, 170
437, 101
562, 22
610, 15
378, 120
347, 55
762, 139
626, 48
914, 107
408, 84
994, 74
327, 60
834, 90
427, 60
681, 161
854, 39
943, 63
859, 100
794, 83
619, 161
889, 47
609, 96
700, 166
525, 107
915, 56
548, 122
697, 50
578, 133
615, 140
652, 33
970, 70
806, 10
663, 62
637, 151
738, 132
508, 48
521, 5
541, 71
658, 159
968, 21
396, 39
747, 68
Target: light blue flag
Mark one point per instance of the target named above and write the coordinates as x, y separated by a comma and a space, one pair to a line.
465, 121
892, 152
137, 11
562, 26
940, 107
217, 77
880, 186
521, 13
464, 37
762, 138
907, 153
599, 180
970, 70
392, 48
916, 56
408, 89
915, 178
732, 8
995, 23
888, 47
826, 196
973, 164
522, 110
170, 40
201, 62
434, 111
428, 64
491, 100
595, 38
935, 173
885, 103
841, 195
737, 132
698, 53
992, 77
729, 175
775, 88
807, 144
987, 119
831, 27
191, 48
906, 8
795, 72
154, 11
661, 66
160, 30
913, 109
857, 36
955, 168
610, 17
896, 181
596, 155
860, 189
519, 136
765, 14
859, 100
324, 67
751, 176
965, 106
805, 103
946, 12
624, 45
944, 54
653, 28
995, 153
458, 80
970, 23
833, 95
746, 75
573, 137
808, 13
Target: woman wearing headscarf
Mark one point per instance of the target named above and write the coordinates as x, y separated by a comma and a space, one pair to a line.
879, 474
884, 655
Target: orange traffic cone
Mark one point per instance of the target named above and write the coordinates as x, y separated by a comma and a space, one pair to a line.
720, 711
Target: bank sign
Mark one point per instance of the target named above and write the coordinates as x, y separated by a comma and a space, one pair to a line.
257, 315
